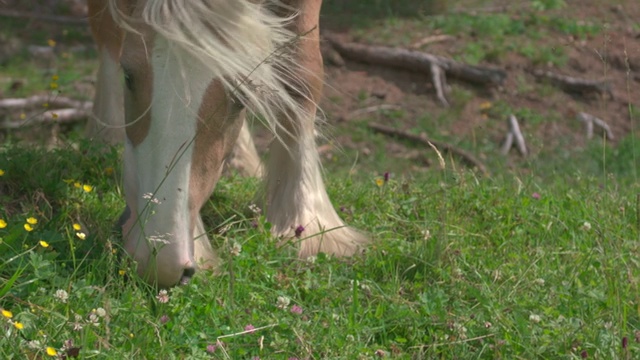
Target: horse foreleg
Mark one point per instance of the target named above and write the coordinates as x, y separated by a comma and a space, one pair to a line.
107, 121
298, 206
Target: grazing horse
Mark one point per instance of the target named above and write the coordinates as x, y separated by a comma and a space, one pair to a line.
192, 70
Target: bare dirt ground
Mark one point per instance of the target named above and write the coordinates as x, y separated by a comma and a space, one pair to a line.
613, 54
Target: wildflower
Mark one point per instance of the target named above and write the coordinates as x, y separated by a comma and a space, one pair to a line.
295, 309
536, 196
255, 209
584, 354
51, 43
250, 328
32, 220
235, 249
77, 227
211, 348
164, 319
379, 182
23, 116
299, 231
485, 105
77, 185
51, 351
163, 297
3, 224
53, 86
121, 272
386, 176
1, 172
539, 282
81, 235
87, 188
487, 324
625, 342
28, 227
55, 77
100, 312
94, 319
534, 318
61, 295
586, 226
77, 324
131, 335
44, 244
283, 302
54, 116
34, 345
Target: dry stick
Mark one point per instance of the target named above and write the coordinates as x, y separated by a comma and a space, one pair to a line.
370, 109
440, 83
514, 134
430, 40
41, 101
418, 61
423, 139
590, 120
575, 85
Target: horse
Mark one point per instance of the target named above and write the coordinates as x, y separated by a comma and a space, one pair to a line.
176, 82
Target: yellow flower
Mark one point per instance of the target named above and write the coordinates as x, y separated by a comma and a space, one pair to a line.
18, 325
53, 86
7, 314
32, 220
54, 78
121, 272
54, 116
3, 224
51, 42
77, 185
1, 172
77, 227
28, 227
485, 105
131, 335
23, 116
87, 188
51, 351
44, 244
379, 182
81, 235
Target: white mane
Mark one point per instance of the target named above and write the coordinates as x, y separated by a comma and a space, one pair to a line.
243, 43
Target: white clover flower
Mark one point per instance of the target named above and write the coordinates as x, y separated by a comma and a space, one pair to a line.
101, 312
236, 249
534, 318
61, 295
283, 302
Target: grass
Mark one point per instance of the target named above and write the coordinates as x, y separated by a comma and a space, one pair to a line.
460, 267
539, 261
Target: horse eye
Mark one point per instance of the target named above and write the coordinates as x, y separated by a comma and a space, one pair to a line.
128, 80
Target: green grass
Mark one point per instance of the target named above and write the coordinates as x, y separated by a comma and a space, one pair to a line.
460, 267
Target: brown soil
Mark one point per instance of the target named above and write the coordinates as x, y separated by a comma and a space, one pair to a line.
613, 55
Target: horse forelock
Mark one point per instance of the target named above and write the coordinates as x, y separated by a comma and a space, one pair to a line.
243, 43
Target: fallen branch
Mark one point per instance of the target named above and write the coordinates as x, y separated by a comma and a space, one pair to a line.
58, 116
514, 134
467, 157
440, 83
41, 109
43, 101
590, 120
418, 61
575, 85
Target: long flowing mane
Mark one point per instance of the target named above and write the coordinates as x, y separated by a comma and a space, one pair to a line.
243, 42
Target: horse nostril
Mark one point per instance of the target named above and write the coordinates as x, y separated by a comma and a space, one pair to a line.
187, 274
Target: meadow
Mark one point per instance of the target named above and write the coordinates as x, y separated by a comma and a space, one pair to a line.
540, 260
